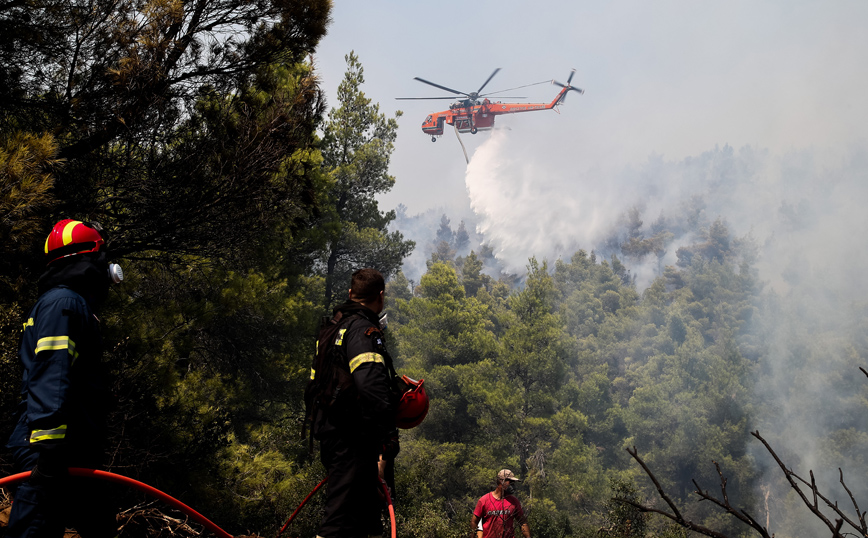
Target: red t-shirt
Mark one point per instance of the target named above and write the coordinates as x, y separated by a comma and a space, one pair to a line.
498, 516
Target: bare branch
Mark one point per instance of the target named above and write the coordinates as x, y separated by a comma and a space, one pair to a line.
834, 506
681, 521
796, 482
742, 515
859, 514
815, 493
675, 515
722, 483
635, 454
788, 474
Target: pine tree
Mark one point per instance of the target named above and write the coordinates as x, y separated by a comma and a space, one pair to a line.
462, 238
444, 232
356, 148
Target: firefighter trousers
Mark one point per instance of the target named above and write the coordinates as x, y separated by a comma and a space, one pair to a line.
353, 507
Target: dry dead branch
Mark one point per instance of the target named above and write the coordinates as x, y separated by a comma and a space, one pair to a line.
813, 504
154, 522
807, 490
676, 514
742, 515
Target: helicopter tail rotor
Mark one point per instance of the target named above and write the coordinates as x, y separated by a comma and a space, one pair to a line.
568, 86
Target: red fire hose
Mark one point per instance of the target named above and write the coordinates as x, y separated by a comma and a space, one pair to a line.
154, 492
389, 502
168, 499
304, 502
316, 488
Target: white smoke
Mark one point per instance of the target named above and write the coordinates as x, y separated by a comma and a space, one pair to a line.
526, 208
422, 228
803, 208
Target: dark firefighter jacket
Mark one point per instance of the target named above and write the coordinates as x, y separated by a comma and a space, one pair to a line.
64, 389
362, 352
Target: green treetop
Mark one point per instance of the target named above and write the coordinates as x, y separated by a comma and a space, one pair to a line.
357, 144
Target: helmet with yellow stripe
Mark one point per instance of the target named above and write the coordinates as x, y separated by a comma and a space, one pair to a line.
73, 237
70, 237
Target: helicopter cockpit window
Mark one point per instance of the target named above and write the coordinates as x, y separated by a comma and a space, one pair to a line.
428, 119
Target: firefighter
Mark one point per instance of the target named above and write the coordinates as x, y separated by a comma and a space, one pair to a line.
497, 512
355, 422
64, 390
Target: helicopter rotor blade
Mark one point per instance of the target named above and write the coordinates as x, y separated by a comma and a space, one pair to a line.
456, 92
570, 78
423, 98
516, 88
488, 80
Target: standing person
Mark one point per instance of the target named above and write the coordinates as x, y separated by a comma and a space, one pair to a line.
499, 510
352, 400
64, 390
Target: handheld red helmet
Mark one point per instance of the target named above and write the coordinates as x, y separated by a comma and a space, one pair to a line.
70, 237
413, 406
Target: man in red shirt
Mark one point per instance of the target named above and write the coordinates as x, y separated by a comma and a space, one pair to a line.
499, 510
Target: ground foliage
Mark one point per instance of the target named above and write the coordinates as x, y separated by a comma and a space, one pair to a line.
198, 135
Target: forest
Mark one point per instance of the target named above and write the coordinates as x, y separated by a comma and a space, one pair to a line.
239, 202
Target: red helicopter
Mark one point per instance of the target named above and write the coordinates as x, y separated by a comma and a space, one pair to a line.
470, 114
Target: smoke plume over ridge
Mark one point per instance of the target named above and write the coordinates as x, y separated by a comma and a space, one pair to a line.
802, 208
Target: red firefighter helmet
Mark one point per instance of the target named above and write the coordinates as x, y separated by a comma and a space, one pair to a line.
69, 237
413, 407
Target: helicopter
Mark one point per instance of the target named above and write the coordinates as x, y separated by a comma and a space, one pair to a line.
475, 112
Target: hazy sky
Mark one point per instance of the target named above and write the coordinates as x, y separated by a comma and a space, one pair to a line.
670, 78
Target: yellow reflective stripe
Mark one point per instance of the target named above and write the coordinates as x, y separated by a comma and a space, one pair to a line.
340, 339
44, 435
52, 342
359, 360
56, 342
67, 231
312, 374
